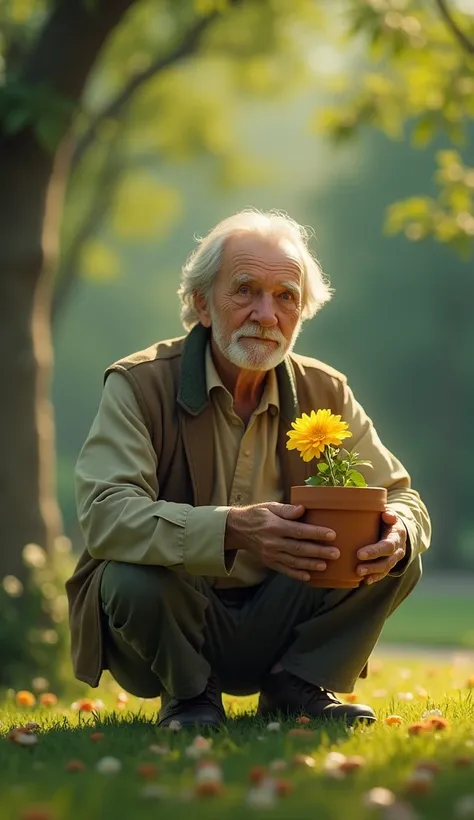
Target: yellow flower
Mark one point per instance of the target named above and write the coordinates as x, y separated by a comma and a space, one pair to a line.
311, 434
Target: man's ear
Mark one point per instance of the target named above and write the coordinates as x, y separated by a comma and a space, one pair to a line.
202, 307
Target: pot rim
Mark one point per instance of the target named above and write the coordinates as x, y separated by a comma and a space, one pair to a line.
330, 487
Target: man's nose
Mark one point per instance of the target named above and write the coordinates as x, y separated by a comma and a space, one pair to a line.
264, 311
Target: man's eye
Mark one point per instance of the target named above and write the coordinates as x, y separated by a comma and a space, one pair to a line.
287, 296
244, 290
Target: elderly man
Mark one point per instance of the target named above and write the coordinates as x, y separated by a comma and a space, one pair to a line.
194, 580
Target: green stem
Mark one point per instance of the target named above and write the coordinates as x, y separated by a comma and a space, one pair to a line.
328, 458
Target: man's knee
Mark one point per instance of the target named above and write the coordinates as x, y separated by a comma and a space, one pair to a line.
132, 592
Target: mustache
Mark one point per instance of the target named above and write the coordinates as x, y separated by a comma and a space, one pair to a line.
255, 332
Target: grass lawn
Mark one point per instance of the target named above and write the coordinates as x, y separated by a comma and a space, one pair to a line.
302, 781
432, 618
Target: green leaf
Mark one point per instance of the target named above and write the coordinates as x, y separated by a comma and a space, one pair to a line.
15, 120
315, 481
356, 478
424, 131
49, 132
323, 467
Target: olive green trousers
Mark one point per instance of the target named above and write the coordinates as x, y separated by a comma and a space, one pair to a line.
167, 630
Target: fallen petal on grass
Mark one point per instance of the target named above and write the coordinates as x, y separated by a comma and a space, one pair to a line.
464, 807
278, 765
379, 797
438, 724
175, 726
462, 761
23, 736
352, 763
257, 774
431, 713
419, 728
261, 798
75, 766
25, 698
428, 766
109, 765
156, 749
283, 788
209, 788
199, 747
48, 699
400, 811
420, 782
147, 771
83, 705
208, 771
304, 761
393, 720
273, 727
38, 812
305, 733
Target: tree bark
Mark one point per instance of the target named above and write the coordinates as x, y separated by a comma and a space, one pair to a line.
31, 187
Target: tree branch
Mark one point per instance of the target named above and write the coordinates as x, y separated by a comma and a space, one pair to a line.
104, 191
463, 39
186, 47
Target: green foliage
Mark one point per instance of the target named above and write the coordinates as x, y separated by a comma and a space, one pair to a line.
24, 105
34, 635
338, 469
450, 217
181, 112
423, 85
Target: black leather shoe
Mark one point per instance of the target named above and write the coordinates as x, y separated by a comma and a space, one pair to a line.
289, 695
203, 710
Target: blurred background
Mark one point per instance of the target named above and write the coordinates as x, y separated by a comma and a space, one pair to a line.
148, 122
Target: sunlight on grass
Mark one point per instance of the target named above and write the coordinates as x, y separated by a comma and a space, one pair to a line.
103, 756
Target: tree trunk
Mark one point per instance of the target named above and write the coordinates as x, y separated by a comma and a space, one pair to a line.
30, 198
28, 510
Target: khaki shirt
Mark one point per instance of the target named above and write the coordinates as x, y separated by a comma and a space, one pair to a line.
118, 454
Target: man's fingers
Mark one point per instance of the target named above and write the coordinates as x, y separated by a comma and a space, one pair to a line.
384, 547
381, 565
290, 512
298, 575
300, 531
312, 565
308, 549
372, 579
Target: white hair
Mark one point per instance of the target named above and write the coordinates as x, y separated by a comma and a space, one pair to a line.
203, 264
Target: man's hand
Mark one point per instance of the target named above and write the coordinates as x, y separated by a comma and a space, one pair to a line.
387, 552
273, 533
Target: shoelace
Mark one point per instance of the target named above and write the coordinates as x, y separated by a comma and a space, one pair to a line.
315, 693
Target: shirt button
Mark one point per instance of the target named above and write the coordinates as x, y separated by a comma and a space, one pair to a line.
247, 452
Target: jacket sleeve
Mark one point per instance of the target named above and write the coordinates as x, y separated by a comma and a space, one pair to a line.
117, 494
387, 471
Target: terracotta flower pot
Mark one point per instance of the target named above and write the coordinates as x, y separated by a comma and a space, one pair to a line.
354, 513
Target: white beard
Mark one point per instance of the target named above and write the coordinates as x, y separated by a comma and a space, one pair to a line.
252, 356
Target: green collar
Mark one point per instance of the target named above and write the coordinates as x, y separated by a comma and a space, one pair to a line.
192, 394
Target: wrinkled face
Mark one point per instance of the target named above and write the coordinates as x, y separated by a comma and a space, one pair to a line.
255, 308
